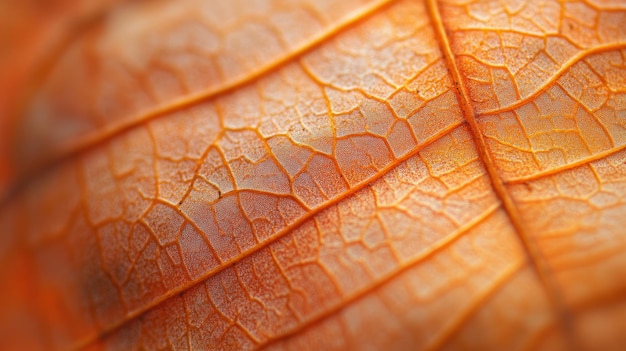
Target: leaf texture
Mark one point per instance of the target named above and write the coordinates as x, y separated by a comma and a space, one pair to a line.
324, 175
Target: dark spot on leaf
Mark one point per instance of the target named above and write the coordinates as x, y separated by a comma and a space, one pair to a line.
528, 187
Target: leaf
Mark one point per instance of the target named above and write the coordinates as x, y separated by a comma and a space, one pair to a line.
27, 45
328, 175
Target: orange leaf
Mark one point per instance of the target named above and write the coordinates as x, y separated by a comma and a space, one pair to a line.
326, 175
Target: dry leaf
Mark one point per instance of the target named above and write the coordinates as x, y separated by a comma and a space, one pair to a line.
327, 175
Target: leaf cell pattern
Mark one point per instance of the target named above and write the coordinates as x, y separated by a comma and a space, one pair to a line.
365, 175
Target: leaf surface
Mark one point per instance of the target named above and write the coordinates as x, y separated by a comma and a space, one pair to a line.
324, 175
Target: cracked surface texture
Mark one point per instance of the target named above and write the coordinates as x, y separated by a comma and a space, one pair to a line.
291, 175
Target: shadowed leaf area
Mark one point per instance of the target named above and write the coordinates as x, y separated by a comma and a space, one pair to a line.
314, 175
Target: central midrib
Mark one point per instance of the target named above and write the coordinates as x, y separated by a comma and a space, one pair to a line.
539, 265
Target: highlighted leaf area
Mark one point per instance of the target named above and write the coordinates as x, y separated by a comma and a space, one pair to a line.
354, 175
